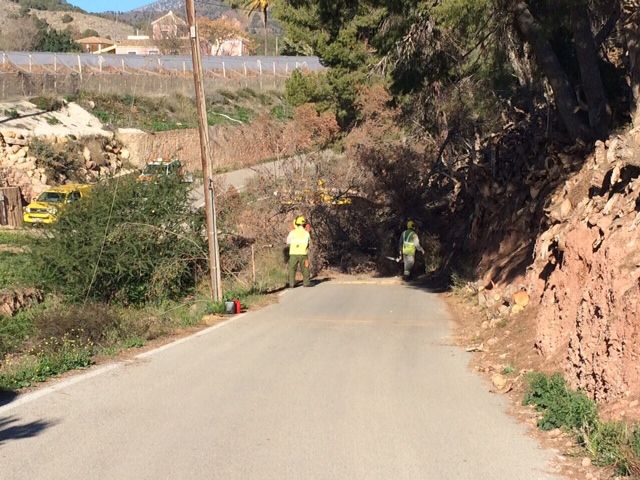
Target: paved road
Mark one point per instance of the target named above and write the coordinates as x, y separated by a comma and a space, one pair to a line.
240, 179
340, 381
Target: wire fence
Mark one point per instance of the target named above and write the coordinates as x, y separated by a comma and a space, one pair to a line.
25, 74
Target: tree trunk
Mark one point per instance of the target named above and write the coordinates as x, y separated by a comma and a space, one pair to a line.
632, 33
264, 22
546, 58
589, 61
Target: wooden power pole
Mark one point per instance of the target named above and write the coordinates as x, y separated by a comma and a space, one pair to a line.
205, 152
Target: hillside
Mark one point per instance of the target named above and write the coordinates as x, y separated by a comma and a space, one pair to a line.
142, 16
81, 21
51, 5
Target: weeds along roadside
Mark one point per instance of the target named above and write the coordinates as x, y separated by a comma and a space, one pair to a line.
613, 445
607, 443
119, 271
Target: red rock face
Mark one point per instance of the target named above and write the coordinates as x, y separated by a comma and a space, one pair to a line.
586, 276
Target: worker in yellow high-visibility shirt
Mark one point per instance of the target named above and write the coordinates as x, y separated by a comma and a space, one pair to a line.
298, 241
408, 245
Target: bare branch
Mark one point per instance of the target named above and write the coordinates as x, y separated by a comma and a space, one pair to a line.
609, 26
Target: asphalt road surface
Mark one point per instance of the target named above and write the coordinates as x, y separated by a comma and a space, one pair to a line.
340, 381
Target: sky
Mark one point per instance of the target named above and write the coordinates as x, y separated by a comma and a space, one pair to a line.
106, 5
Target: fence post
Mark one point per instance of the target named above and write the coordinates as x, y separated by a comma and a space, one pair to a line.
274, 69
30, 63
100, 59
253, 263
244, 64
4, 59
55, 73
123, 70
80, 67
184, 68
224, 71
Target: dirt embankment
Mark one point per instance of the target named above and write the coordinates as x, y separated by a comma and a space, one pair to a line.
581, 278
586, 273
235, 146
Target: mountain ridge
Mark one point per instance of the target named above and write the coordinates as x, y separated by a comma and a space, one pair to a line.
214, 9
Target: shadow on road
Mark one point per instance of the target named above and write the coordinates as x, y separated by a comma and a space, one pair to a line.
433, 284
11, 429
314, 282
6, 397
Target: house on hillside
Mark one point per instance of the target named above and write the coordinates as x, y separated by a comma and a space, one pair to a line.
137, 45
169, 26
230, 47
96, 45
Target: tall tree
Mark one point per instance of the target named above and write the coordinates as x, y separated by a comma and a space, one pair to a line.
431, 44
549, 62
219, 30
263, 7
590, 75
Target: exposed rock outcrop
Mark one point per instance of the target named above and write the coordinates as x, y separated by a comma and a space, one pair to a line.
586, 273
33, 164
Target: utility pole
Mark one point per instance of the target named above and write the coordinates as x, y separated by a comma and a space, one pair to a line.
205, 152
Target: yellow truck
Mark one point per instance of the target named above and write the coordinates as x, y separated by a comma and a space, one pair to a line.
46, 207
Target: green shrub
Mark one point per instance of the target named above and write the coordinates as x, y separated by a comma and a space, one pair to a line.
634, 441
304, 88
89, 32
126, 242
282, 112
14, 331
215, 308
15, 263
605, 445
561, 407
51, 40
11, 113
48, 104
16, 270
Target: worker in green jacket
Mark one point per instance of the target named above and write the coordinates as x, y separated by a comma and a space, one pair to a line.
409, 244
298, 242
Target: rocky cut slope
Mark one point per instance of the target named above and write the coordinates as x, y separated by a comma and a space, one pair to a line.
586, 273
41, 148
